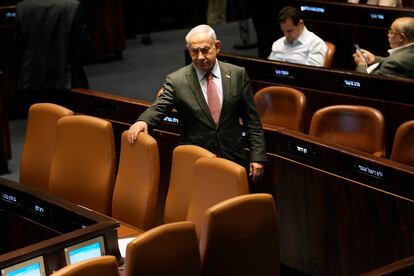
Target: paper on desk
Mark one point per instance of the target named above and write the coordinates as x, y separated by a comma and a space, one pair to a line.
122, 245
372, 67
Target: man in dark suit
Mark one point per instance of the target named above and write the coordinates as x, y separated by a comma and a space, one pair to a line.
400, 62
217, 128
50, 34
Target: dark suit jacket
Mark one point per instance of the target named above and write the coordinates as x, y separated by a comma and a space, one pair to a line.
49, 35
399, 64
182, 91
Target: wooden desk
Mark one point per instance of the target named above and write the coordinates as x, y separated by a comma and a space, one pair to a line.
35, 223
341, 211
394, 97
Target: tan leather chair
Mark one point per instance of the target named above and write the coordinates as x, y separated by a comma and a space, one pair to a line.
240, 236
329, 57
169, 249
215, 180
181, 181
359, 127
281, 106
39, 144
82, 169
102, 266
403, 147
135, 194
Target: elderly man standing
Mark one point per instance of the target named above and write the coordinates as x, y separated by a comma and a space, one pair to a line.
210, 97
400, 62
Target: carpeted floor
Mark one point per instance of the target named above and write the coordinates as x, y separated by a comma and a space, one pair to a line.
143, 68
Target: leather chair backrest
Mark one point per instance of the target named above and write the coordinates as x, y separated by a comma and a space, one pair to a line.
39, 144
329, 57
168, 249
102, 266
359, 127
240, 236
82, 169
181, 181
135, 196
281, 106
403, 146
215, 180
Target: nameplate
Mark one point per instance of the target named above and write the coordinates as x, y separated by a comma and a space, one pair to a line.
283, 73
11, 197
313, 9
376, 16
300, 149
350, 83
38, 207
173, 120
369, 170
8, 16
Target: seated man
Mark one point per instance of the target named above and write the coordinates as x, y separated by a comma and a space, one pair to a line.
298, 44
386, 3
400, 62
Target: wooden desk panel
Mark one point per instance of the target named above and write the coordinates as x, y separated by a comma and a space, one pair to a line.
70, 224
332, 226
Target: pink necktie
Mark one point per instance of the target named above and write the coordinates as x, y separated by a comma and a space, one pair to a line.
213, 98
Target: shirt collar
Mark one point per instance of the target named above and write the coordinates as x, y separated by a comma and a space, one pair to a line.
215, 71
394, 50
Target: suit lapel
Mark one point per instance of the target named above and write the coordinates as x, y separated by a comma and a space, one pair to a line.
198, 94
226, 83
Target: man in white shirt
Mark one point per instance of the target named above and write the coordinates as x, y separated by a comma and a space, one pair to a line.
400, 62
298, 44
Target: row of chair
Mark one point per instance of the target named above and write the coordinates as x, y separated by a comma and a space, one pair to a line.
238, 238
359, 127
73, 156
78, 165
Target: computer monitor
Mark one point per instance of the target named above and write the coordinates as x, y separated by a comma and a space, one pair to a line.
85, 250
32, 267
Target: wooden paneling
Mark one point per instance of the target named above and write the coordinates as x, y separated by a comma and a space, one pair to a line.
5, 145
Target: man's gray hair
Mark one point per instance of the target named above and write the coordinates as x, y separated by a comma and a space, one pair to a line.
201, 29
406, 26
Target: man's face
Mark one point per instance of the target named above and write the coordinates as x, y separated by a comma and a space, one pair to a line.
395, 38
203, 51
290, 30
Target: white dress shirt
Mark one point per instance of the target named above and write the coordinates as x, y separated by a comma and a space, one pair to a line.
308, 49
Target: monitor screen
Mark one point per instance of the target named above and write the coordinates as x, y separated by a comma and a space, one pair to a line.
85, 250
32, 267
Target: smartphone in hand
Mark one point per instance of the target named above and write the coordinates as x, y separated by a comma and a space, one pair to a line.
360, 52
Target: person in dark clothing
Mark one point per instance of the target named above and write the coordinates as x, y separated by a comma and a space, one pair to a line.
50, 35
